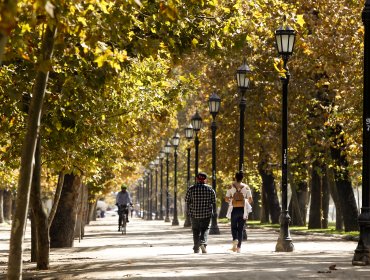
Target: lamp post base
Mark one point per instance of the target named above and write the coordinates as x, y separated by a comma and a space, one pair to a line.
284, 242
214, 227
167, 220
362, 252
187, 221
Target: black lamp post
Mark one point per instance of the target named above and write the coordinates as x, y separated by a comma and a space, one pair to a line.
285, 38
175, 144
161, 156
140, 191
145, 185
150, 193
196, 122
167, 150
362, 252
214, 106
156, 163
189, 132
242, 77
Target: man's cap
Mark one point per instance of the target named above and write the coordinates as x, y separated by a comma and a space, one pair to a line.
202, 176
123, 186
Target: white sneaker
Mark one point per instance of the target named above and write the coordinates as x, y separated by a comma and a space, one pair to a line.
235, 244
203, 248
238, 250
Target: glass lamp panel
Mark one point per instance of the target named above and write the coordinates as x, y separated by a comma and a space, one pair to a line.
189, 132
176, 140
161, 154
196, 121
167, 148
214, 103
285, 38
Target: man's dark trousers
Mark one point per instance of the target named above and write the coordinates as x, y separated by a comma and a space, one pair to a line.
200, 227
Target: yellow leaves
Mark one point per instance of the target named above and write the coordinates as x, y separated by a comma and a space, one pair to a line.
82, 20
25, 28
213, 3
103, 6
58, 126
361, 31
279, 67
300, 20
194, 42
306, 49
169, 10
104, 54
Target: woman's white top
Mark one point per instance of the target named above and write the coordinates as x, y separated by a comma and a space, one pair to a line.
246, 191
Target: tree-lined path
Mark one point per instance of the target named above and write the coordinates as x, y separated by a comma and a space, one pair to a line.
157, 250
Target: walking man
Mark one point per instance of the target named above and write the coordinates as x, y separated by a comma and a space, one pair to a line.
201, 203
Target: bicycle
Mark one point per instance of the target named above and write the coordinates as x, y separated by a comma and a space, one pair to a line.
123, 214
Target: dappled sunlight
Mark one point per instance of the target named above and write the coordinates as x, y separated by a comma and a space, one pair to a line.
158, 250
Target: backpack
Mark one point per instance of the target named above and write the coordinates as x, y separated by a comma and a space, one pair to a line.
238, 199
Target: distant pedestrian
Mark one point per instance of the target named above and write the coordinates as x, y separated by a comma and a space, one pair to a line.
201, 203
239, 197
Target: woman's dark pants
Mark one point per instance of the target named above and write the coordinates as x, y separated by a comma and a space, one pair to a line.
237, 224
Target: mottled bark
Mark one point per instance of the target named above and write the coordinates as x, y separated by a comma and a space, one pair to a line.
325, 200
256, 207
343, 181
63, 226
8, 205
15, 262
40, 218
334, 194
315, 216
270, 201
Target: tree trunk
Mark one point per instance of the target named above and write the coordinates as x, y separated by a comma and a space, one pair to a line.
272, 207
85, 212
325, 200
39, 214
265, 207
78, 227
343, 181
33, 238
223, 209
57, 195
8, 202
335, 197
2, 218
91, 212
63, 225
294, 209
256, 207
315, 217
26, 167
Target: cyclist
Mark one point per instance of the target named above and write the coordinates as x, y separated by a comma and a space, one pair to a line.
123, 199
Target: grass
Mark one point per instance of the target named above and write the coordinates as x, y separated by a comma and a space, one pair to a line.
330, 230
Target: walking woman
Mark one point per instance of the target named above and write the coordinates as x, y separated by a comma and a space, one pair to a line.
240, 199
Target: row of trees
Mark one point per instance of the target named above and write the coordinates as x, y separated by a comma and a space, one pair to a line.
91, 90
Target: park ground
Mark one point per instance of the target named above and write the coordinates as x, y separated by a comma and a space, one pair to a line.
157, 250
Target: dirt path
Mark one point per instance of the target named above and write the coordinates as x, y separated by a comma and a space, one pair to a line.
158, 250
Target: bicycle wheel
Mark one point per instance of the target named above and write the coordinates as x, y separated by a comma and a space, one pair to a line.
123, 227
